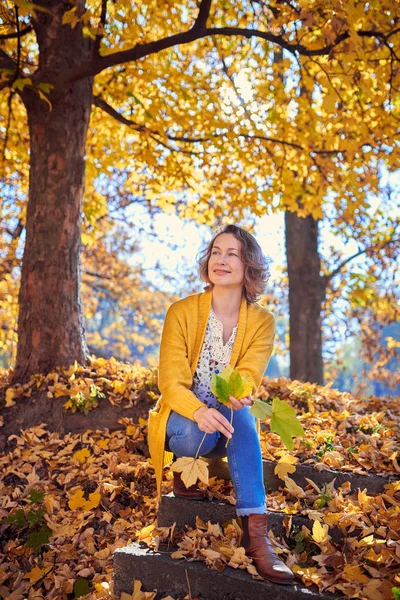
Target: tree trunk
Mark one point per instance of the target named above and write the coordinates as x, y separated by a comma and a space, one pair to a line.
50, 323
306, 295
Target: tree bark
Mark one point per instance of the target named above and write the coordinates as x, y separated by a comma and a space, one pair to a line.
306, 296
50, 322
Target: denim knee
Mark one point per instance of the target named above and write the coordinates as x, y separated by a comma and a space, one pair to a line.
183, 444
184, 437
244, 420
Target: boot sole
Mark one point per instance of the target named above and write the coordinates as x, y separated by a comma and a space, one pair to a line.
279, 581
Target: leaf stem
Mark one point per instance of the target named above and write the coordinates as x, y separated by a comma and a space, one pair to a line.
198, 449
227, 441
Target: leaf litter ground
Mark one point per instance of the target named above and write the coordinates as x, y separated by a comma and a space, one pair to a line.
68, 503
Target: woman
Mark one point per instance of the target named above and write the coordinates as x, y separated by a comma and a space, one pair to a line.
202, 334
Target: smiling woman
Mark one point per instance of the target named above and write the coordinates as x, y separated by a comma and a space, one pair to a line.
202, 335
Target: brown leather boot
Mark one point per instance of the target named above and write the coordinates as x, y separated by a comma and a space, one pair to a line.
256, 542
181, 491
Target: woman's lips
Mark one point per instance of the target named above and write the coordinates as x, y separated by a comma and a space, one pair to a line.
220, 272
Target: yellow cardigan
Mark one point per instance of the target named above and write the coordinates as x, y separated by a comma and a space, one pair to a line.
181, 341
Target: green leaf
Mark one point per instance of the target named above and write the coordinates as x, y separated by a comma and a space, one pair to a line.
260, 409
18, 517
220, 388
81, 588
45, 87
21, 82
35, 516
284, 422
396, 593
230, 383
35, 496
236, 384
38, 538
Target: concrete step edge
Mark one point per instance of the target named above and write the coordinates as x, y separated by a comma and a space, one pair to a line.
372, 483
158, 571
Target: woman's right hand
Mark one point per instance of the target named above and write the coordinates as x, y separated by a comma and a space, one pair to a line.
210, 420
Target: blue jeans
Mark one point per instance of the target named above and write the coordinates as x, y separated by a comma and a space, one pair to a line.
243, 451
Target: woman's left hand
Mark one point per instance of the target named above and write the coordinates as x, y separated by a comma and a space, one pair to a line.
238, 404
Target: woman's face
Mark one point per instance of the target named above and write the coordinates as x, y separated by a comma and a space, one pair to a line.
225, 266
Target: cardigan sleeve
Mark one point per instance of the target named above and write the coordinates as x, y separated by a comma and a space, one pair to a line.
174, 372
256, 357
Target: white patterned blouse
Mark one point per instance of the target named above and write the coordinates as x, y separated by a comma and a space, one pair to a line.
214, 357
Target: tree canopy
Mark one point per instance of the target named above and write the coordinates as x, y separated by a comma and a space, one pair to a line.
205, 109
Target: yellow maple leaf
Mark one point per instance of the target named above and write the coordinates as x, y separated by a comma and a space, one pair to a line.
285, 466
191, 469
71, 371
103, 443
78, 501
294, 489
9, 397
320, 533
35, 574
81, 455
60, 390
333, 458
119, 386
144, 533
354, 573
130, 430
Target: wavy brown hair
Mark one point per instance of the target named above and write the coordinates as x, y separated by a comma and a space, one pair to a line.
256, 271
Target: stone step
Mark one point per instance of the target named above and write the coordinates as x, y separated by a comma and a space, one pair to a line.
158, 571
372, 483
183, 512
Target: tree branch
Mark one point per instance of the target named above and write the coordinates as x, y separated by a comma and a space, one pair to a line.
99, 36
99, 275
198, 31
331, 275
102, 104
6, 62
16, 34
100, 63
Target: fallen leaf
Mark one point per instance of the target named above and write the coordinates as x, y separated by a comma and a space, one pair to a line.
285, 466
9, 397
35, 574
320, 533
81, 455
294, 489
354, 573
78, 501
191, 469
